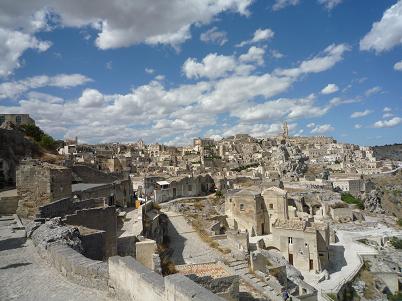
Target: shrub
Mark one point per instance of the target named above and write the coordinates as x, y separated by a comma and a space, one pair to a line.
400, 222
396, 243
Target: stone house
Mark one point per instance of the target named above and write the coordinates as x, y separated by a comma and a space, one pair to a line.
303, 244
185, 186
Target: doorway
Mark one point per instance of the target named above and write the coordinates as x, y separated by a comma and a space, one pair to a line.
311, 265
291, 259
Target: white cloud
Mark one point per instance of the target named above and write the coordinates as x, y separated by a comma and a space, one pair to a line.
358, 126
373, 91
212, 66
254, 55
16, 88
330, 4
322, 129
388, 123
310, 125
260, 35
280, 4
387, 115
330, 56
91, 98
276, 54
159, 22
215, 36
109, 65
149, 70
329, 89
12, 45
398, 66
387, 109
386, 33
360, 114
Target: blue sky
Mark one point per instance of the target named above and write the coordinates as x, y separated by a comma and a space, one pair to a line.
168, 71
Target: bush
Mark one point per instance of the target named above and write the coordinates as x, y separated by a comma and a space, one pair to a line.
396, 243
350, 199
397, 297
47, 142
39, 136
400, 222
219, 194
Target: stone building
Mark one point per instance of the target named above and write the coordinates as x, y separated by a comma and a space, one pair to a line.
39, 183
256, 212
185, 186
17, 119
303, 244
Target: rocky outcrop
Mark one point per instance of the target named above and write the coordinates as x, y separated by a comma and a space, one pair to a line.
289, 161
372, 202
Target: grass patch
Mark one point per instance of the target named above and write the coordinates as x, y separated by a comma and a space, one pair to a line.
351, 200
368, 278
396, 297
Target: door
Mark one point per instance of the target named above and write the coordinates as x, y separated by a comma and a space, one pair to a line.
262, 229
291, 259
311, 265
174, 192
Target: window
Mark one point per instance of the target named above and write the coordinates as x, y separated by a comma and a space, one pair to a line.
306, 245
290, 240
271, 206
18, 119
2, 119
190, 187
241, 206
230, 200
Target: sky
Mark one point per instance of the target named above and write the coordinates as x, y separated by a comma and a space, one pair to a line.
169, 71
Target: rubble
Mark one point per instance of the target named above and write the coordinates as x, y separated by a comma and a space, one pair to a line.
372, 202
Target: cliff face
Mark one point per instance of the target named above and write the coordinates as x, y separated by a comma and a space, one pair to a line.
14, 147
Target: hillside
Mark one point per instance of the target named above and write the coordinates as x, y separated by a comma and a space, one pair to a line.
391, 152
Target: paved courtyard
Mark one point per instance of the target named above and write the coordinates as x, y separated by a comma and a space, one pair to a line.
25, 276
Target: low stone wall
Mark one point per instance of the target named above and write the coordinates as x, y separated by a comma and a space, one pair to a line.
8, 205
78, 268
132, 281
68, 206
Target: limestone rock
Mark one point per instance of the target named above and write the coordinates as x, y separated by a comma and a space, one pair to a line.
372, 202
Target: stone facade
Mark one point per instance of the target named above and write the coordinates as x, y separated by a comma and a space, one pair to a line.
17, 119
40, 183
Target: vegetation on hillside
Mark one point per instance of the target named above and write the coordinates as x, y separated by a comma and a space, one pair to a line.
396, 243
39, 136
350, 199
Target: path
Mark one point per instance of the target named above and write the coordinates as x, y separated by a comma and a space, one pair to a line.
186, 244
25, 276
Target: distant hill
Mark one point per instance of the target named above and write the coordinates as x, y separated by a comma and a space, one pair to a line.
391, 152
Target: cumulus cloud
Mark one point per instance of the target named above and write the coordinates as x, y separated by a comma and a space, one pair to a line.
329, 89
387, 109
398, 66
215, 36
280, 4
254, 55
386, 33
330, 4
149, 70
388, 123
16, 88
12, 45
174, 114
322, 129
358, 126
260, 35
159, 22
361, 114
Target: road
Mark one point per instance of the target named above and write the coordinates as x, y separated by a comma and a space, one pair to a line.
25, 276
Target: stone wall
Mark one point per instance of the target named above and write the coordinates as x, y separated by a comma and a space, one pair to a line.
93, 243
68, 206
8, 204
40, 183
133, 281
121, 191
100, 219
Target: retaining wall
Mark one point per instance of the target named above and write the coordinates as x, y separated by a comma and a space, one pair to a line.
132, 281
8, 205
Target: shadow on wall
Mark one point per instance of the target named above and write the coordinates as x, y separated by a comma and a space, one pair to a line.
337, 258
15, 265
176, 243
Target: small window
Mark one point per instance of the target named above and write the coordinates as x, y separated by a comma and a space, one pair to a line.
290, 240
2, 119
230, 200
18, 119
190, 188
241, 206
306, 245
271, 206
